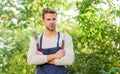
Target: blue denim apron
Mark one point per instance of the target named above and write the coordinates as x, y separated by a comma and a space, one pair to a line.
50, 68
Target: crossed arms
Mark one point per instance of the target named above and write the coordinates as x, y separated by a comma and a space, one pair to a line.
61, 57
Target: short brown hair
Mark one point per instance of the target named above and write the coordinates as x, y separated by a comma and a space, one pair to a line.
48, 10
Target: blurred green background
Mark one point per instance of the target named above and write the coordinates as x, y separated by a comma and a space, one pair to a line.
93, 24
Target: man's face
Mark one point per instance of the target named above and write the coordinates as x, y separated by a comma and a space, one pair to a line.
50, 21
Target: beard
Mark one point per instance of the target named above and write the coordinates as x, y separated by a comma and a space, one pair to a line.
51, 28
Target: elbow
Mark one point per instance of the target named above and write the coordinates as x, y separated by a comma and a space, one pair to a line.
70, 62
30, 63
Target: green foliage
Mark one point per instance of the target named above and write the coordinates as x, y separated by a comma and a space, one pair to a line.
113, 70
13, 14
96, 37
96, 40
13, 53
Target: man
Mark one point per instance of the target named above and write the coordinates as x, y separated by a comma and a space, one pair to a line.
54, 53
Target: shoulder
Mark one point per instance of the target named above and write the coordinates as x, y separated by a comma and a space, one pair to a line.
39, 36
66, 36
33, 39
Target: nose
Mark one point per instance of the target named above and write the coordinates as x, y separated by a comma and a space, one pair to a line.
51, 21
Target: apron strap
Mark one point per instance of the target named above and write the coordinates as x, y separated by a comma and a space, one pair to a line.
41, 41
58, 39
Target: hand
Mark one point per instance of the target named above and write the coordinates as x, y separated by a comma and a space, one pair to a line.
52, 62
39, 53
59, 54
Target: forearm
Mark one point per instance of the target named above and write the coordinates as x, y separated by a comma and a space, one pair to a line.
63, 61
37, 59
51, 62
51, 57
67, 60
59, 54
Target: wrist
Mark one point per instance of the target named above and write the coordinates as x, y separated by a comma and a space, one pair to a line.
56, 56
51, 57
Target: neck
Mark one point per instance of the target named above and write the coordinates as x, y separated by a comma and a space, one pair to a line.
50, 34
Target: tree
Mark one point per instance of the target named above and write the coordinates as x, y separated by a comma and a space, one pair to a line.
94, 32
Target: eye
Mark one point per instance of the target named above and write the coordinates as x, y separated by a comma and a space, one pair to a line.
54, 18
48, 19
